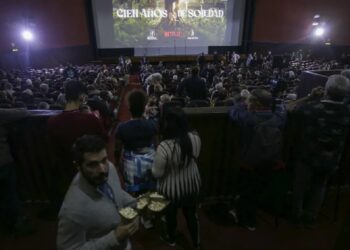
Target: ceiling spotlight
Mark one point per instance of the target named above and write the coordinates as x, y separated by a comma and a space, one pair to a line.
319, 32
27, 35
315, 23
317, 16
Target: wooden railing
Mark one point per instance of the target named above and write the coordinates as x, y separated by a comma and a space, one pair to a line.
218, 161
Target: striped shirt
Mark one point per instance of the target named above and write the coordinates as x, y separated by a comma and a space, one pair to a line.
175, 180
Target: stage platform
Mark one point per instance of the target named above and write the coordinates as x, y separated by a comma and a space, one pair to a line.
156, 59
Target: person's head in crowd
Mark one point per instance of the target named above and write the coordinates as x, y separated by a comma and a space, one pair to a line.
156, 78
222, 93
259, 99
44, 88
29, 83
18, 81
151, 109
7, 85
75, 94
346, 73
158, 89
43, 106
105, 95
137, 101
84, 108
27, 92
219, 86
164, 99
175, 78
26, 99
3, 82
337, 88
291, 97
229, 102
90, 158
8, 89
3, 95
61, 99
194, 71
174, 125
92, 91
226, 82
245, 93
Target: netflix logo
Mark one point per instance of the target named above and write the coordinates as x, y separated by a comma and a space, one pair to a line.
172, 34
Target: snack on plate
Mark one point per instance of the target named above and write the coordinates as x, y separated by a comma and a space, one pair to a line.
155, 195
142, 203
128, 213
156, 206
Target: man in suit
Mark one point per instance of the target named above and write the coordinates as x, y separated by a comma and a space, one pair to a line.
194, 87
89, 217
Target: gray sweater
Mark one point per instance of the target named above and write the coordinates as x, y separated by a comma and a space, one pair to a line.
88, 218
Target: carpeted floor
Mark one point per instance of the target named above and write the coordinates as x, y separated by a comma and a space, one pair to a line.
217, 232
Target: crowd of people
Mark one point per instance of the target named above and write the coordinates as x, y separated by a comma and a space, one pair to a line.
160, 152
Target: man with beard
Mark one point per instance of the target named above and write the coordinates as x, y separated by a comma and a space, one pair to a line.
89, 217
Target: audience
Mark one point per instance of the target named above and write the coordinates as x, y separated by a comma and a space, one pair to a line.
258, 94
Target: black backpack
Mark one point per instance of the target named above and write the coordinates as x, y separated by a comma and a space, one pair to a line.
266, 142
324, 143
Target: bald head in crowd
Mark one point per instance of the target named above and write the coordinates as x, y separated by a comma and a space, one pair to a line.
346, 73
337, 88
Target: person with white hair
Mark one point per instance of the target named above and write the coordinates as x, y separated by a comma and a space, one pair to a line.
43, 106
326, 120
346, 73
44, 89
151, 81
29, 83
245, 93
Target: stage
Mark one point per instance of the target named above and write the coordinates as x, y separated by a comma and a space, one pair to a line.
188, 59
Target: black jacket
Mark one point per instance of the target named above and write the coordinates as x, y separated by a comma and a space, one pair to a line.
194, 87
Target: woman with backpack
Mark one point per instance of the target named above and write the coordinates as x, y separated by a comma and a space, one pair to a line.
138, 136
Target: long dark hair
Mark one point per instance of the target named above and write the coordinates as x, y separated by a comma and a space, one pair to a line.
174, 126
